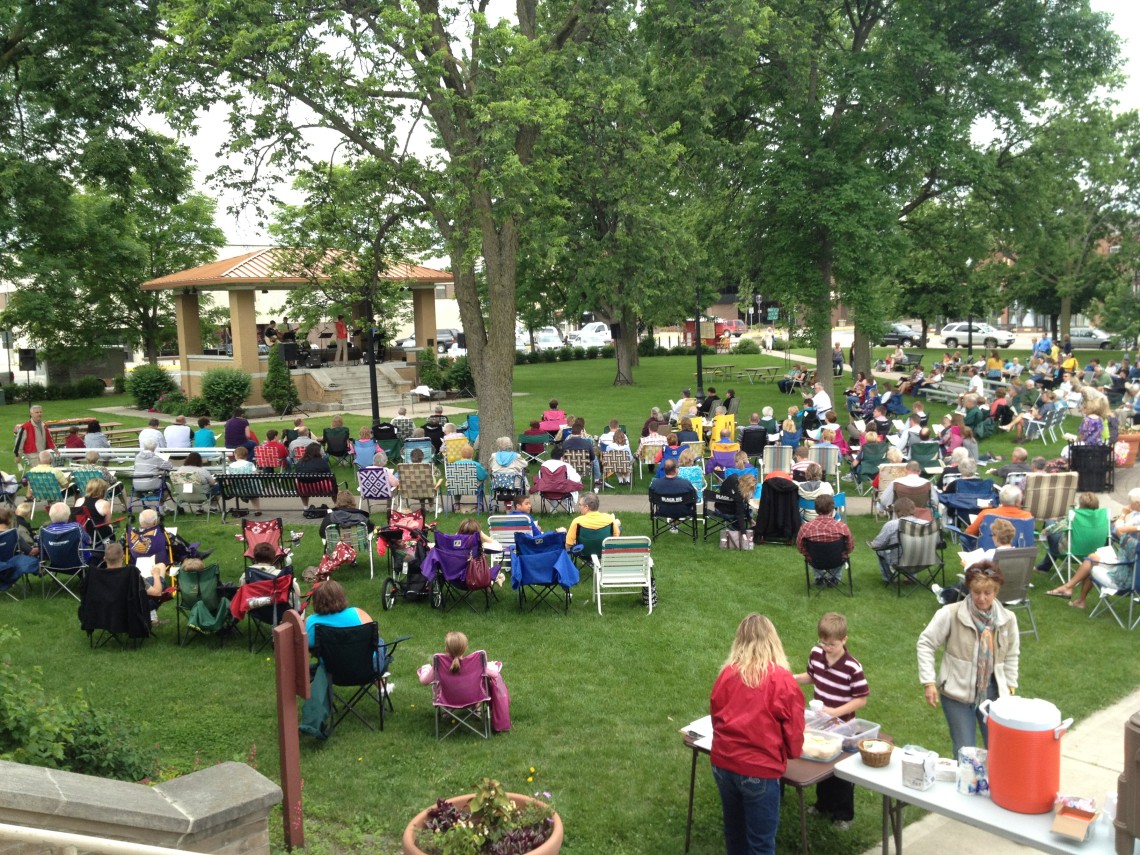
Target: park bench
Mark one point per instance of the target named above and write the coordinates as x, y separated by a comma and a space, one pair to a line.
913, 360
275, 485
946, 393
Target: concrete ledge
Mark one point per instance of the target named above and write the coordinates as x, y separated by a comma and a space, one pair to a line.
222, 809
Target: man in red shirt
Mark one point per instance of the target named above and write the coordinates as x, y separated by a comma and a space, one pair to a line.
33, 436
341, 341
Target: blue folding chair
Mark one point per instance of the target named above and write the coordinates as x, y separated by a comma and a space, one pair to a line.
540, 564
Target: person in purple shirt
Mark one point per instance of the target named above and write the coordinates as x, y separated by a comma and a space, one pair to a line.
237, 433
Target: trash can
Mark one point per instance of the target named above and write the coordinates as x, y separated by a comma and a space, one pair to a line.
1094, 467
3, 398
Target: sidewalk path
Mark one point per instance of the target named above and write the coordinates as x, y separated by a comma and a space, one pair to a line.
1092, 756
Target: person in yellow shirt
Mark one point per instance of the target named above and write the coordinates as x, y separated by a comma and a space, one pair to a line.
590, 518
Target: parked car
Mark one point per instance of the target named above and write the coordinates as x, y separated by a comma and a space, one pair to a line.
1089, 337
595, 334
547, 338
735, 328
983, 335
902, 334
447, 340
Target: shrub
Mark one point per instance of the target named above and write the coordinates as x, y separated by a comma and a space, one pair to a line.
279, 389
548, 355
681, 350
779, 343
120, 384
147, 383
224, 390
89, 387
579, 353
746, 345
429, 370
197, 406
521, 357
459, 375
565, 353
647, 347
592, 352
41, 730
173, 403
12, 392
607, 351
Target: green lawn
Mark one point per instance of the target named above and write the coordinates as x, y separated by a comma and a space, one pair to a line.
597, 701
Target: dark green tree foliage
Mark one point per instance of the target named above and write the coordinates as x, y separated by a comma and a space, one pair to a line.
85, 281
1071, 193
857, 113
68, 101
378, 76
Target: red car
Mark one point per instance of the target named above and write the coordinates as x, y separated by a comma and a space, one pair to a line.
734, 328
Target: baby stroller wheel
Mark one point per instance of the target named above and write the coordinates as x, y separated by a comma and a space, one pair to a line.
436, 593
388, 593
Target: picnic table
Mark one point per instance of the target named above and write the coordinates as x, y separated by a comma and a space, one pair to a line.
763, 373
59, 428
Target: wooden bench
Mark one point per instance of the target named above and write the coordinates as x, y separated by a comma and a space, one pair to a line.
275, 485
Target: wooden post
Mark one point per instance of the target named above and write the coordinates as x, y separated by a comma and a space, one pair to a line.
291, 649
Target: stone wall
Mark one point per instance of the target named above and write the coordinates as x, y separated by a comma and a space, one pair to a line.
223, 809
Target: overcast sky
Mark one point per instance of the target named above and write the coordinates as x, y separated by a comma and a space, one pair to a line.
243, 229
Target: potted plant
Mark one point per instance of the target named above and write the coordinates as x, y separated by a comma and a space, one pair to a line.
490, 821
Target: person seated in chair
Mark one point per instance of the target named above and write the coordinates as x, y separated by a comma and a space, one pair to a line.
1009, 507
467, 460
266, 562
44, 465
793, 376
912, 478
589, 517
1018, 465
740, 489
708, 406
455, 647
725, 441
203, 436
238, 432
685, 431
812, 487
620, 445
95, 438
437, 418
149, 469
194, 471
154, 585
522, 507
93, 511
178, 435
59, 516
652, 438
403, 425
364, 449
886, 543
800, 463
242, 465
506, 459
556, 474
678, 408
313, 463
345, 514
579, 441
824, 529
670, 484
329, 607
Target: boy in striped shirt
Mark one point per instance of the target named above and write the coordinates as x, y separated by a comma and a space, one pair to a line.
837, 679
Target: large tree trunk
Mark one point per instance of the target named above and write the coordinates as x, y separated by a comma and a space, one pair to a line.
625, 348
491, 345
1066, 318
862, 348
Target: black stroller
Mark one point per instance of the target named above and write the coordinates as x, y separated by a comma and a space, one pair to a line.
405, 539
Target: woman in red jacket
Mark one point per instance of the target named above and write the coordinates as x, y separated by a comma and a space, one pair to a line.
758, 724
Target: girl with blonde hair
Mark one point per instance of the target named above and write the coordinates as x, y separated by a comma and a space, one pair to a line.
455, 648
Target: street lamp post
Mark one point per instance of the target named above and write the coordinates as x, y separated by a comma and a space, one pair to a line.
697, 337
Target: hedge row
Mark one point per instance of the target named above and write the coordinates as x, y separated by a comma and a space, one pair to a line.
84, 387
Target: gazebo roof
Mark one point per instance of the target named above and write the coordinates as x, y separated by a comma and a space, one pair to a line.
262, 269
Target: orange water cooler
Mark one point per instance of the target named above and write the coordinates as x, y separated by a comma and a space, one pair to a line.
1024, 752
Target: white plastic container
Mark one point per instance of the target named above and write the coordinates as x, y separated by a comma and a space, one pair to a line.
918, 769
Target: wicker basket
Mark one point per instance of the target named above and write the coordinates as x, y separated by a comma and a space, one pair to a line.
877, 759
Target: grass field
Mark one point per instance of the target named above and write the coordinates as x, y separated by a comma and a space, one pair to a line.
596, 701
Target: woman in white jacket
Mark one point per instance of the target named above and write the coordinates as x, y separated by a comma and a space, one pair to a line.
981, 648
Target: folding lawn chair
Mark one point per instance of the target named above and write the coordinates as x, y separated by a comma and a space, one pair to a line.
462, 480
62, 558
1113, 597
374, 486
919, 563
541, 565
113, 603
625, 566
825, 560
462, 699
447, 562
202, 606
357, 536
1017, 568
354, 658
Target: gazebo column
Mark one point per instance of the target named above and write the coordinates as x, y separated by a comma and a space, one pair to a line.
243, 330
188, 318
423, 314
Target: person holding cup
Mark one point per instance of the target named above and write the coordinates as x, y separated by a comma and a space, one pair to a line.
980, 657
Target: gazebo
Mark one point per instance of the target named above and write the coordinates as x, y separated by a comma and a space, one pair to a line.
264, 270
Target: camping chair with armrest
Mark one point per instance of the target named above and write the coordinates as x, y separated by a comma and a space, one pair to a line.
45, 490
753, 442
267, 459
552, 498
1113, 597
871, 457
434, 434
13, 565
718, 511
533, 446
717, 462
271, 531
61, 559
189, 490
502, 528
590, 542
357, 536
462, 700
262, 600
778, 515
542, 567
924, 496
970, 495
1024, 532
461, 480
201, 606
506, 487
354, 658
1049, 495
625, 566
918, 563
336, 443
825, 559
393, 450
647, 457
929, 454
113, 603
1017, 567
1084, 531
674, 512
617, 464
446, 566
374, 486
418, 483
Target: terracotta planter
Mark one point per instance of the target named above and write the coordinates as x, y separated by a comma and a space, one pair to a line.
552, 845
1133, 440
